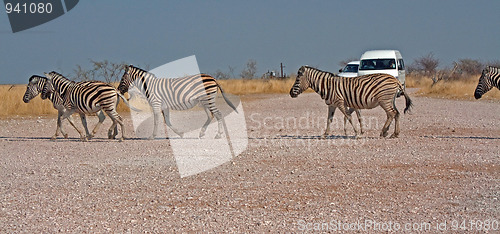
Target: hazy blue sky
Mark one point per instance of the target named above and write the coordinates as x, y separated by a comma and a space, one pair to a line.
222, 33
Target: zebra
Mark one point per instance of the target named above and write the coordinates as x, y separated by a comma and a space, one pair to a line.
86, 98
362, 92
35, 86
490, 77
176, 94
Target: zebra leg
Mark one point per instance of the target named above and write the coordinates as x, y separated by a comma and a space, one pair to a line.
218, 116
358, 113
117, 119
349, 111
343, 108
166, 116
331, 112
101, 117
70, 120
391, 113
209, 106
156, 112
210, 116
83, 118
59, 126
67, 115
396, 125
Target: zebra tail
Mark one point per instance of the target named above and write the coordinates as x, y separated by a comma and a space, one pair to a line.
226, 99
409, 103
128, 104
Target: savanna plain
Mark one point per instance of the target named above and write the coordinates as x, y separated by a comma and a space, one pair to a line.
441, 174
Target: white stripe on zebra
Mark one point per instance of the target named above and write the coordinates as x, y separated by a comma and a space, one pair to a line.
193, 155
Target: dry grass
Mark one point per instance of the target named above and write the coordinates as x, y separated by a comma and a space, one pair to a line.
456, 89
12, 96
239, 87
12, 104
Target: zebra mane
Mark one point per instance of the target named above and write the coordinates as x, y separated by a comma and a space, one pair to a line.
60, 76
37, 77
490, 69
319, 70
142, 70
54, 73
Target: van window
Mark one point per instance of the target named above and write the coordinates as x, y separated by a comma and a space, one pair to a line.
377, 64
351, 68
401, 64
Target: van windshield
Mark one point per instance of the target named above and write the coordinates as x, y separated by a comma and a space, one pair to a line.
377, 64
351, 68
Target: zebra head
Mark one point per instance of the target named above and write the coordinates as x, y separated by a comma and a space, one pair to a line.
127, 79
48, 87
485, 82
301, 83
34, 87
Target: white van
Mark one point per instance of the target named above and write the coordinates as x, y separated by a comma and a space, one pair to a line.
350, 70
383, 61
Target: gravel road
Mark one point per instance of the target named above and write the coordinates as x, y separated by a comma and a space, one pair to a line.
442, 173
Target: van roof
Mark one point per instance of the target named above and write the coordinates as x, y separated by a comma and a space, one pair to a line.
353, 62
374, 54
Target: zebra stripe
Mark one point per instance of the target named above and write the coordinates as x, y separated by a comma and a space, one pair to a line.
35, 86
490, 77
86, 98
177, 94
362, 92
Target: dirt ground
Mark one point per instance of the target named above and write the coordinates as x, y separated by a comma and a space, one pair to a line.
442, 173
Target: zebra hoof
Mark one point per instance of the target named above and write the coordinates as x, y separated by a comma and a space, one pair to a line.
53, 138
66, 136
218, 136
151, 138
89, 137
394, 135
202, 134
181, 135
84, 139
121, 139
324, 136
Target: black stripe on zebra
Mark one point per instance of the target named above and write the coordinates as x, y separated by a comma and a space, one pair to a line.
362, 92
490, 77
86, 98
177, 94
34, 87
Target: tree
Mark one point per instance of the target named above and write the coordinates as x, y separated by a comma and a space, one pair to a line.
231, 71
220, 75
109, 71
250, 71
83, 75
468, 66
426, 64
